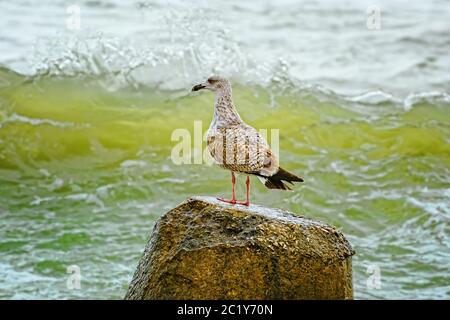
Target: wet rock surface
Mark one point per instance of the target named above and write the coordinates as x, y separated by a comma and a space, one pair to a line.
206, 249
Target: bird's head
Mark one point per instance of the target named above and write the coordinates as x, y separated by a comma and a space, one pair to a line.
214, 83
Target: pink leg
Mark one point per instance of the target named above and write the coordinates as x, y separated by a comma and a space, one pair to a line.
247, 201
233, 196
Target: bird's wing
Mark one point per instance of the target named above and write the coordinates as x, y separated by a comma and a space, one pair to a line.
241, 148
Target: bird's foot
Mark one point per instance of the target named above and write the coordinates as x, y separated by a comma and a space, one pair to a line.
232, 201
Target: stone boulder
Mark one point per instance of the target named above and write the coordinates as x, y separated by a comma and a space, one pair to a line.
207, 249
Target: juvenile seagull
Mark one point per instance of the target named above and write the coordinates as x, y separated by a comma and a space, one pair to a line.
238, 147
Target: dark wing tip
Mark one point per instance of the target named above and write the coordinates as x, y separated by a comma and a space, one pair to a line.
276, 184
287, 176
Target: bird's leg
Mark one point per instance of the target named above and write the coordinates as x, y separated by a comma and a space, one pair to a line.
247, 201
233, 196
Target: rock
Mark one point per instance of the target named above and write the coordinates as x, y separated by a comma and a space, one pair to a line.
206, 249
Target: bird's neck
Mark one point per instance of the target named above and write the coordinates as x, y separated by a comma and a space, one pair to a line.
225, 113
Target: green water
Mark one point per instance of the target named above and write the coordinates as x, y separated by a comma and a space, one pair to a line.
85, 172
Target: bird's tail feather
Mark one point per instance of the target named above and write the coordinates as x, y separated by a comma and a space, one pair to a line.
279, 179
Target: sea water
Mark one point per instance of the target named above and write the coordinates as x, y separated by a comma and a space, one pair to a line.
90, 96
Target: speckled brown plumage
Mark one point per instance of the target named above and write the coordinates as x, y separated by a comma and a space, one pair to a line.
235, 145
238, 147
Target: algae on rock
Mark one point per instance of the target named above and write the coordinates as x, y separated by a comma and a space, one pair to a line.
206, 249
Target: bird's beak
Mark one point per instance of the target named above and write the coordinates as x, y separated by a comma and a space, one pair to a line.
198, 87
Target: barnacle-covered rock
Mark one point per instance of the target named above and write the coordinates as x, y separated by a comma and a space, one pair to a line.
206, 249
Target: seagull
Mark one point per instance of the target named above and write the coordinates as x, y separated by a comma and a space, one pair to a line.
238, 147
